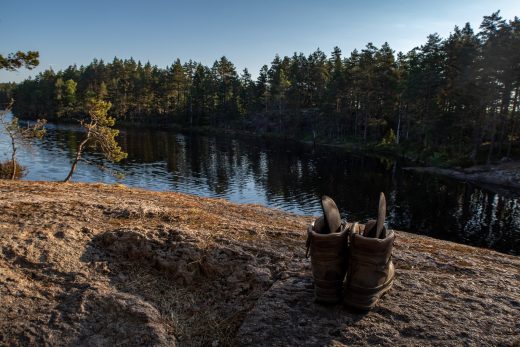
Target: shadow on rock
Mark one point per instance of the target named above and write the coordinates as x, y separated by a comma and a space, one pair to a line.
287, 315
200, 289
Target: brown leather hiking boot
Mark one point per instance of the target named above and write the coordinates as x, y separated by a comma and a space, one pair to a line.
327, 239
371, 271
328, 260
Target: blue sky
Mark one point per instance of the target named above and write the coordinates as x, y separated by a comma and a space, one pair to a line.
248, 32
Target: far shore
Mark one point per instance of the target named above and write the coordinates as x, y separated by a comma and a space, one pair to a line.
502, 175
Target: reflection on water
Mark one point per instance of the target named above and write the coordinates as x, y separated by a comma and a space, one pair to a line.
291, 177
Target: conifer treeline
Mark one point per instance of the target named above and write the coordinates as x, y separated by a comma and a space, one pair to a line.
447, 97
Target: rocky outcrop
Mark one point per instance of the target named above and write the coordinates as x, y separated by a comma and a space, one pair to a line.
92, 264
106, 265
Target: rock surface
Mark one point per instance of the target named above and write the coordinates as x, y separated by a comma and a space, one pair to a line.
104, 265
443, 295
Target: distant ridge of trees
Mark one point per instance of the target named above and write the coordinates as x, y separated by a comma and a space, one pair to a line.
456, 97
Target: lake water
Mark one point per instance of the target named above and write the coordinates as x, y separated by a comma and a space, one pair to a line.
288, 176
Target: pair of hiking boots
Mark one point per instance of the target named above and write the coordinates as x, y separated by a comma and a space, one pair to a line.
350, 261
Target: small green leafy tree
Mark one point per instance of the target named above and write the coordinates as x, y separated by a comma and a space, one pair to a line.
19, 135
98, 134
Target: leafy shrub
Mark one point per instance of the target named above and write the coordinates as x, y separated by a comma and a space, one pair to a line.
389, 139
6, 170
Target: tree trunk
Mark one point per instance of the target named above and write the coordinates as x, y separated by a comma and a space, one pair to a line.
398, 131
356, 108
512, 130
408, 121
365, 120
493, 135
13, 159
78, 157
504, 113
478, 134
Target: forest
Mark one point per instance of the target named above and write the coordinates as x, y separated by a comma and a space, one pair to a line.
453, 99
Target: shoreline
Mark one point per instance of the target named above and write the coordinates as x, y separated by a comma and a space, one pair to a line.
502, 175
87, 264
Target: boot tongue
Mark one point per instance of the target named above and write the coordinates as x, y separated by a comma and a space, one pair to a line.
375, 228
331, 214
381, 215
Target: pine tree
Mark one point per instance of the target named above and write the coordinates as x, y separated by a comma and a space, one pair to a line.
98, 134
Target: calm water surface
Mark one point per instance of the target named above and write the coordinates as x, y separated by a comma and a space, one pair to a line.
288, 176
